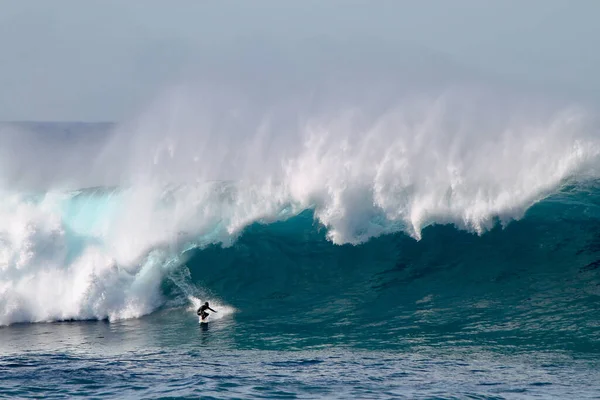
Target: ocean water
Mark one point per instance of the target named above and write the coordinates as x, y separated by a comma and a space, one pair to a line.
445, 247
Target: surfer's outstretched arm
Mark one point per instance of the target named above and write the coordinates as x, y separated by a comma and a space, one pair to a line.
211, 309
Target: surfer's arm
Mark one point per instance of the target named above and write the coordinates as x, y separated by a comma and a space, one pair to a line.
211, 309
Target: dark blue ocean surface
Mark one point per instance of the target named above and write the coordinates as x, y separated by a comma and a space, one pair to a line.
167, 354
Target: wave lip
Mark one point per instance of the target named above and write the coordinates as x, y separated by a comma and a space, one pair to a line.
417, 173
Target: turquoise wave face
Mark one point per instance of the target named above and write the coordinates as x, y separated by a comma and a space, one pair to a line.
535, 282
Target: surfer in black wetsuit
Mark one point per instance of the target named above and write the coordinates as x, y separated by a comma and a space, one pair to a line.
202, 310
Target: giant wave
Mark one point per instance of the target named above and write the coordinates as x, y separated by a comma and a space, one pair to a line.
270, 208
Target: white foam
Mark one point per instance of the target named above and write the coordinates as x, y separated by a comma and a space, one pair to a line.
40, 282
223, 310
418, 171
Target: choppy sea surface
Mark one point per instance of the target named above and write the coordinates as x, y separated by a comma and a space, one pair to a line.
167, 355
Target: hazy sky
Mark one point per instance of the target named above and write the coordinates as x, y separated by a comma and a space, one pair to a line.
100, 60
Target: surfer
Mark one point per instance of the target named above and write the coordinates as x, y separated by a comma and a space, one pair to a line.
202, 310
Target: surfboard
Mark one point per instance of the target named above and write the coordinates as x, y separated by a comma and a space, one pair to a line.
203, 321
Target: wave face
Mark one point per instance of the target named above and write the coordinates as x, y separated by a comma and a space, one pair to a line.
460, 209
535, 282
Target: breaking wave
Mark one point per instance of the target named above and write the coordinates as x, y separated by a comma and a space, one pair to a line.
211, 201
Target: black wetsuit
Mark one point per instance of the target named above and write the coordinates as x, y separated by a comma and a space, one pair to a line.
202, 311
